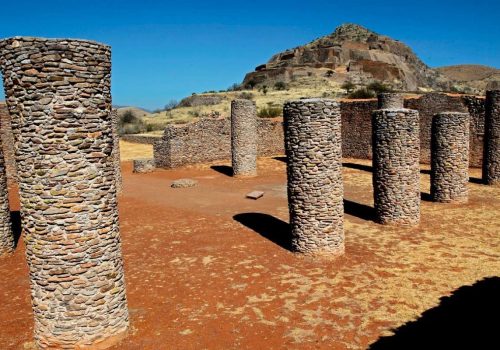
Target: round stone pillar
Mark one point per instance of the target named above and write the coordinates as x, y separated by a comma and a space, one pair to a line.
58, 94
244, 137
396, 170
315, 189
390, 100
450, 157
116, 151
491, 158
7, 242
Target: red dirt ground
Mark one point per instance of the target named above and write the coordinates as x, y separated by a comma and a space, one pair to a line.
199, 279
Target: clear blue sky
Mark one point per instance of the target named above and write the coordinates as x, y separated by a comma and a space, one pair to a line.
166, 50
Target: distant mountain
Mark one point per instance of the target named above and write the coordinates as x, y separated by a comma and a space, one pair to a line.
356, 54
139, 112
472, 76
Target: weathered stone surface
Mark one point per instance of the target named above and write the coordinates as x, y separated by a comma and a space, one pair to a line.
116, 151
255, 194
7, 140
144, 165
7, 242
63, 147
396, 169
491, 162
184, 183
450, 157
244, 137
314, 170
390, 100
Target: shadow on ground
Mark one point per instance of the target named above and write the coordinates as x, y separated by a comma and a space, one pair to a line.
268, 226
476, 180
281, 159
359, 210
223, 169
15, 219
468, 319
358, 166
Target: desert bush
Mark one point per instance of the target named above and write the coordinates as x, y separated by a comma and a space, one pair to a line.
348, 86
329, 73
246, 95
269, 112
172, 104
264, 89
129, 123
377, 87
280, 85
250, 85
234, 87
362, 93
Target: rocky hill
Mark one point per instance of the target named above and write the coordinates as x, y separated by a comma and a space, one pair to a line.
351, 53
472, 77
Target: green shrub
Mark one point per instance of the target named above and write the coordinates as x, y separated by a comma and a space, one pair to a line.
377, 87
348, 86
279, 85
362, 93
269, 112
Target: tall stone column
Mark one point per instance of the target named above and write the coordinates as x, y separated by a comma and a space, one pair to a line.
58, 94
244, 137
315, 189
116, 151
7, 242
491, 158
396, 170
450, 157
390, 100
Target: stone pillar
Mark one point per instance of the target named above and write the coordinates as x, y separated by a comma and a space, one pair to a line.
59, 98
491, 158
390, 100
450, 157
7, 242
116, 151
396, 170
315, 189
244, 137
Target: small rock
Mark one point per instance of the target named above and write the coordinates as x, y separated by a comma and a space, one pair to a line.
183, 183
255, 194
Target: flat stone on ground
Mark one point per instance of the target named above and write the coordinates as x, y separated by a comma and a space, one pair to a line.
255, 194
183, 183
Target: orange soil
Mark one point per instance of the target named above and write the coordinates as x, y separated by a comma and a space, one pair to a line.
199, 279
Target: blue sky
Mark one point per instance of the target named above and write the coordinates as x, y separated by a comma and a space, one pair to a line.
165, 50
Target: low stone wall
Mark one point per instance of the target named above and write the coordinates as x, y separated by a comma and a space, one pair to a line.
144, 139
209, 139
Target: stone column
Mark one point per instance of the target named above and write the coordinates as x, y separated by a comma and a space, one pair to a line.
244, 137
315, 189
7, 242
390, 100
396, 170
58, 94
491, 158
450, 157
116, 151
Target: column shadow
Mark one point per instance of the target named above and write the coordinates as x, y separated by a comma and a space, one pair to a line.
468, 319
476, 180
425, 171
15, 219
268, 226
425, 196
281, 159
368, 168
223, 169
359, 210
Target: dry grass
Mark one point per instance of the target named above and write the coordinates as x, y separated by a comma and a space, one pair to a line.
129, 150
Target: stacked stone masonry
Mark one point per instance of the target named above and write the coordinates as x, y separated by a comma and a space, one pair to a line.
396, 169
58, 95
314, 172
7, 141
116, 151
450, 157
210, 139
244, 137
390, 100
491, 164
143, 165
7, 242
